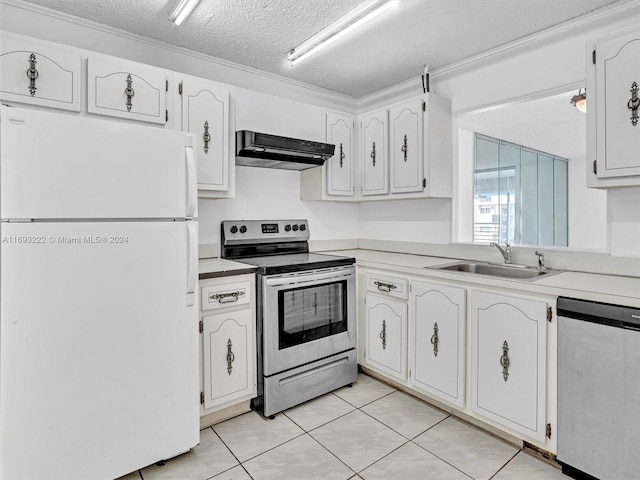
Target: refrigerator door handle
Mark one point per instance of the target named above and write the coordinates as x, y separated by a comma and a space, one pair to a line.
192, 266
191, 182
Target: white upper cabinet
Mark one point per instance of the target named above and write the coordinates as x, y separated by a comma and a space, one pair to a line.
204, 111
35, 73
374, 154
416, 153
618, 105
405, 127
125, 89
339, 168
613, 126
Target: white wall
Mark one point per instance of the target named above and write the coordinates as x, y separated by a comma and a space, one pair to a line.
463, 187
263, 193
587, 209
624, 221
425, 220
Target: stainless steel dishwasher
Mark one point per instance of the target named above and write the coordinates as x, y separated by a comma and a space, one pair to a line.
598, 390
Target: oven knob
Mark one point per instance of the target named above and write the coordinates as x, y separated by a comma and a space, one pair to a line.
303, 227
295, 228
287, 228
243, 229
234, 229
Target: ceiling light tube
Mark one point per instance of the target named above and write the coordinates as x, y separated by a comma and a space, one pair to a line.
182, 11
349, 22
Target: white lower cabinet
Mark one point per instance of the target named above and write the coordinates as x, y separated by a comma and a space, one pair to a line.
438, 329
483, 353
386, 335
228, 342
508, 361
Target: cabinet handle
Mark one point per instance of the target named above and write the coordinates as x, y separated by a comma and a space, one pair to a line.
634, 103
342, 155
385, 287
373, 153
206, 137
383, 334
230, 357
226, 297
404, 148
504, 360
32, 74
315, 303
129, 92
434, 339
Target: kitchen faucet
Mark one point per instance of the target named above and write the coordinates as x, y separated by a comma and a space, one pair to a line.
506, 251
541, 266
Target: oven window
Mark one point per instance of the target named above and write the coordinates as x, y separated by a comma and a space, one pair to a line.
313, 312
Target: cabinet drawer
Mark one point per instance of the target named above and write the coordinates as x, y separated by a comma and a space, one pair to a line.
391, 286
221, 296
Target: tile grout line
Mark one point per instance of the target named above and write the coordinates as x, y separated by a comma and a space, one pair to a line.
231, 452
507, 463
408, 440
441, 459
331, 453
399, 433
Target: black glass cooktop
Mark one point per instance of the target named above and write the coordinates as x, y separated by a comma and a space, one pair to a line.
295, 262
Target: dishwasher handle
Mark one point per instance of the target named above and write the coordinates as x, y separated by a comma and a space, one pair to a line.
618, 316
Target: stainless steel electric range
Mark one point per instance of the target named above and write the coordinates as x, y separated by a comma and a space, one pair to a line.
306, 324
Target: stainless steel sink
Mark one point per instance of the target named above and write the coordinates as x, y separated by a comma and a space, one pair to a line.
520, 272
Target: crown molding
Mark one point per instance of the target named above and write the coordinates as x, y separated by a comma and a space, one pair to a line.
341, 99
620, 11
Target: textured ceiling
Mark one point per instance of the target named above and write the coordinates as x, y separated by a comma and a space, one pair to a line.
390, 49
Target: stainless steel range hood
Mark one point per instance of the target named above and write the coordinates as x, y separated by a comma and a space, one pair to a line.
254, 149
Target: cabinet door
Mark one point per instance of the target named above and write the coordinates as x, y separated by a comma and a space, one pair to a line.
617, 91
120, 88
205, 112
39, 75
406, 159
386, 335
340, 166
228, 357
438, 340
509, 361
374, 156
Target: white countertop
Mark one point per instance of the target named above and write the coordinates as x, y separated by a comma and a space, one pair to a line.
220, 267
614, 289
588, 286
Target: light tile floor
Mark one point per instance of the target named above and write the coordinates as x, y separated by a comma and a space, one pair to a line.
370, 431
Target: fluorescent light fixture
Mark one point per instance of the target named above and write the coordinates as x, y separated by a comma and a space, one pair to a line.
352, 20
182, 11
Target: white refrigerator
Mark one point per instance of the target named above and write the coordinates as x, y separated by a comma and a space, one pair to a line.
98, 296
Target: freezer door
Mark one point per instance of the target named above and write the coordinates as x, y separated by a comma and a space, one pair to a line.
62, 166
98, 348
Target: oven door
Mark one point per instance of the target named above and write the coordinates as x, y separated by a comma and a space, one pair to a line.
307, 316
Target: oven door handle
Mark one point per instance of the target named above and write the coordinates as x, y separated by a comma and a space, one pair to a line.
311, 278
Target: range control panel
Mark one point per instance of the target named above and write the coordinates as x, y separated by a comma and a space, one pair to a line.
264, 231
